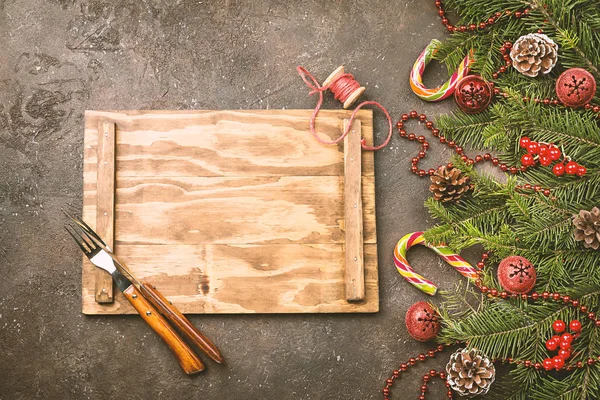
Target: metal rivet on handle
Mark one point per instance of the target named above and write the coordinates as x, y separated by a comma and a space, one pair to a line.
148, 313
134, 296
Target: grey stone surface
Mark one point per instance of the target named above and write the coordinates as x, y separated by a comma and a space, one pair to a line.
61, 57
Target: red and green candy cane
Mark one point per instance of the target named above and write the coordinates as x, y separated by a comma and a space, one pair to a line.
440, 92
425, 285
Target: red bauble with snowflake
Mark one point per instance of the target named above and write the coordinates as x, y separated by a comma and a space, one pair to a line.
575, 87
473, 94
516, 274
422, 322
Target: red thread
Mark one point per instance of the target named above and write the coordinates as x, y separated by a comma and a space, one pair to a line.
342, 88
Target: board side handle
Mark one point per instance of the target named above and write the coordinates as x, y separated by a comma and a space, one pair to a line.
355, 269
105, 203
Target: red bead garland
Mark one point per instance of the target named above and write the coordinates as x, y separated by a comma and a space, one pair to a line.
481, 25
411, 362
457, 148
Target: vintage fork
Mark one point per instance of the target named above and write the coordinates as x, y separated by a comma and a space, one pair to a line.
152, 294
188, 360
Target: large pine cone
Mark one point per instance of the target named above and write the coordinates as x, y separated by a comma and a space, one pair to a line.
587, 228
449, 184
534, 53
470, 372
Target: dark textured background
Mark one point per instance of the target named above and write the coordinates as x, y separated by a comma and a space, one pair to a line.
61, 57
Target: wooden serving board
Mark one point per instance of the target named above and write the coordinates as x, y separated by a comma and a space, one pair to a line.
229, 211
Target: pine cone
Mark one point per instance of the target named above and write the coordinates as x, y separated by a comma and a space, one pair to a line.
587, 228
449, 184
470, 372
534, 53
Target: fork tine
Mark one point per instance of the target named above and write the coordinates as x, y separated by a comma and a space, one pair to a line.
86, 237
77, 239
85, 227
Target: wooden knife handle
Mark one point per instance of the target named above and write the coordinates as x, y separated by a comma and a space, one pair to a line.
166, 308
188, 360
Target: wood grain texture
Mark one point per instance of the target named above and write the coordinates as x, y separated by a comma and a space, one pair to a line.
105, 201
188, 360
353, 213
233, 211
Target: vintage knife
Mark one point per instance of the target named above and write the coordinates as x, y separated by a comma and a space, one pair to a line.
164, 306
188, 360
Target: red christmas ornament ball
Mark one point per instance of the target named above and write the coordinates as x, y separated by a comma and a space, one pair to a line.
473, 94
575, 87
575, 325
422, 322
516, 274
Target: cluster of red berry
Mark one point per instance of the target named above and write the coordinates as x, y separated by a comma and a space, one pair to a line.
545, 154
562, 343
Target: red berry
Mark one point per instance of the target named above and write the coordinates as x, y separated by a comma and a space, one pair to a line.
559, 169
564, 345
524, 142
543, 150
545, 161
581, 170
527, 160
533, 147
548, 364
554, 152
566, 337
575, 325
559, 326
551, 344
558, 362
564, 354
571, 168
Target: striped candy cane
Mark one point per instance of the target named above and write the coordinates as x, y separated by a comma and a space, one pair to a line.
440, 92
425, 285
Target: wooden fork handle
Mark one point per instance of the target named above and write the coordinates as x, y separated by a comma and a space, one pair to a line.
188, 360
166, 308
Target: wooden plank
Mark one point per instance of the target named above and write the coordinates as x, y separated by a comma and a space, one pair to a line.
105, 202
243, 210
231, 143
222, 279
223, 222
353, 226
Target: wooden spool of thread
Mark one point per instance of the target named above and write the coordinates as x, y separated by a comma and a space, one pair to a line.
344, 87
346, 90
